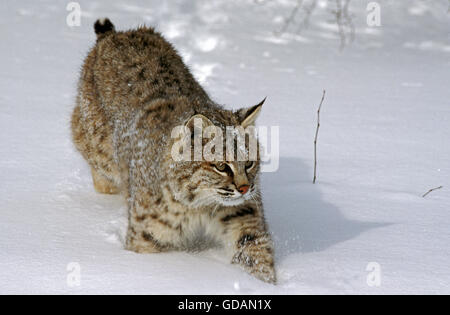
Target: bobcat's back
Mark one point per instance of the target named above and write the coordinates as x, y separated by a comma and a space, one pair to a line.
132, 68
122, 77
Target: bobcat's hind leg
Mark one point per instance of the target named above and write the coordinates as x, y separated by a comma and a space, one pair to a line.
144, 243
102, 184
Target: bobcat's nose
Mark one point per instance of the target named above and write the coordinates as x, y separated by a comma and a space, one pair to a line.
244, 189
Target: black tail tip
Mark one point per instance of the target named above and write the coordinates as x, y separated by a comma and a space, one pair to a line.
103, 26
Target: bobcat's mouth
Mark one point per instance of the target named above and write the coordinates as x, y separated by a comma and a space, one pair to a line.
228, 197
232, 201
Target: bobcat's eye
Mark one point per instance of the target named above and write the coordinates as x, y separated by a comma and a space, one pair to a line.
249, 164
222, 167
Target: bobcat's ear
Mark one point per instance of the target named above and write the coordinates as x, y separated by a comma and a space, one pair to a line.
197, 121
248, 116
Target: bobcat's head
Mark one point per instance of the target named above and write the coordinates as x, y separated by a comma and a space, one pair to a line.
227, 172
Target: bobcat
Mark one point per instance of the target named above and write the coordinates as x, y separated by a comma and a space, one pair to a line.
133, 90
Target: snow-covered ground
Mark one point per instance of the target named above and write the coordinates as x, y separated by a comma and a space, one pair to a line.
384, 142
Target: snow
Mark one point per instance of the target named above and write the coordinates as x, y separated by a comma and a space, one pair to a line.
383, 143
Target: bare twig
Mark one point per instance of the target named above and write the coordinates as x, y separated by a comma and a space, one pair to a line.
308, 12
348, 18
317, 135
303, 10
291, 17
431, 190
344, 22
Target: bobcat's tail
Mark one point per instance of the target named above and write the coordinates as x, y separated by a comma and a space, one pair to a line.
103, 26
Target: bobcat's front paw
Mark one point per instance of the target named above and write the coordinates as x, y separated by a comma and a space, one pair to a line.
264, 272
258, 262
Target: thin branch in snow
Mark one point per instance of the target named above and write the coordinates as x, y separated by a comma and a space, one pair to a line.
344, 21
431, 190
291, 17
308, 12
342, 18
317, 135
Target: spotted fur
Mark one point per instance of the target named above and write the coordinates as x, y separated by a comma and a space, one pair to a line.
134, 89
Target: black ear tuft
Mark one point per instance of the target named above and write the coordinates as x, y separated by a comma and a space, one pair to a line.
103, 26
